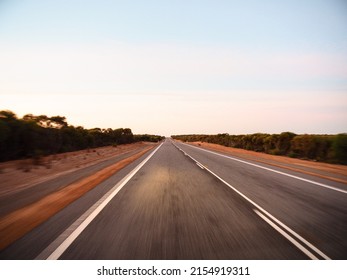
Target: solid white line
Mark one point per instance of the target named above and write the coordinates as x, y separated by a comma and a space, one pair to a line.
272, 170
100, 206
292, 240
308, 244
200, 165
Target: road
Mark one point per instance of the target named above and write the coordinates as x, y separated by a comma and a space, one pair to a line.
17, 199
184, 202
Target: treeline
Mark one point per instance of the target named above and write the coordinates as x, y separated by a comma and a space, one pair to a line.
33, 136
324, 148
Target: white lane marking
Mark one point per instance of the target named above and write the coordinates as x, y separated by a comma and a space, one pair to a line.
272, 170
292, 240
307, 243
200, 165
73, 234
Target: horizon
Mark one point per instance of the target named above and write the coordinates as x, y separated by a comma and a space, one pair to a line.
197, 67
169, 136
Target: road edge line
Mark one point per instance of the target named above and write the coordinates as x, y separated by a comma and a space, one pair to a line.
64, 240
303, 240
272, 170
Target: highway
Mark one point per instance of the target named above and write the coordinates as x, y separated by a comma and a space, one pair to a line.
183, 202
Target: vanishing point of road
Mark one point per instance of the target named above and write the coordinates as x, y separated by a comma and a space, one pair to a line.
183, 202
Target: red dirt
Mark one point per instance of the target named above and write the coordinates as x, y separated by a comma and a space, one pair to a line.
18, 223
14, 177
333, 172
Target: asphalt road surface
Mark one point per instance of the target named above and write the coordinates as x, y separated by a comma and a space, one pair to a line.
184, 202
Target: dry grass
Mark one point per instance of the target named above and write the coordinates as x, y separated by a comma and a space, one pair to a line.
18, 223
18, 175
333, 172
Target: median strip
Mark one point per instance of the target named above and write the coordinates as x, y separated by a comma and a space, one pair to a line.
16, 224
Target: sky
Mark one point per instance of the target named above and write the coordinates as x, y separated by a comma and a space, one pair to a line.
179, 66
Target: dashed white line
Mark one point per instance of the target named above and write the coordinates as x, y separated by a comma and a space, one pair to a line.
272, 170
270, 217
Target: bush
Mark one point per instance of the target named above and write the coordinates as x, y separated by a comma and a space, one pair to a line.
340, 148
325, 148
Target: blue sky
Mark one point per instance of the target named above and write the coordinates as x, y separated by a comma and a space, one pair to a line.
172, 67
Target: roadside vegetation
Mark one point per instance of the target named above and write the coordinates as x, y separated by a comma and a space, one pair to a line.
37, 136
323, 148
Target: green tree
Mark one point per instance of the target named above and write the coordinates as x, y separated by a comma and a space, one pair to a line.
283, 144
340, 148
